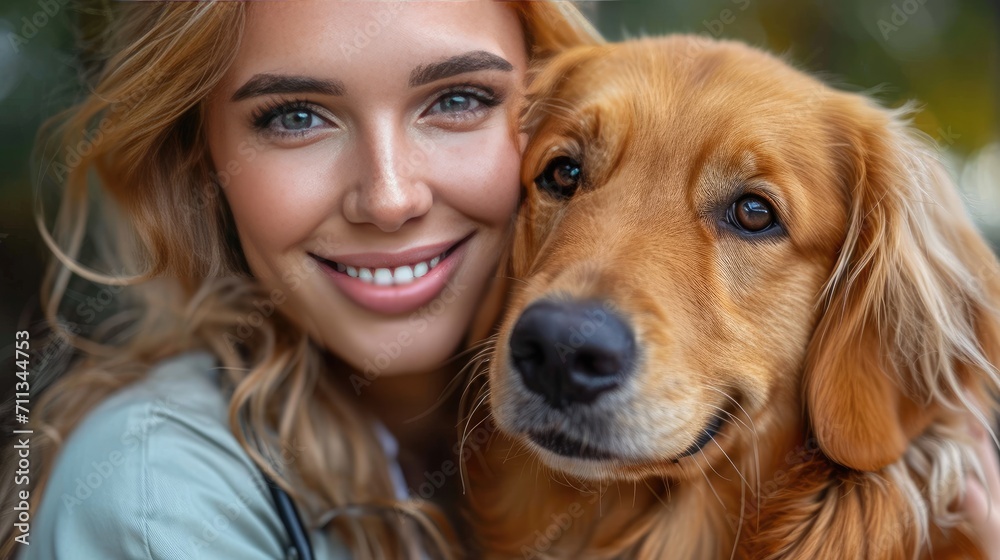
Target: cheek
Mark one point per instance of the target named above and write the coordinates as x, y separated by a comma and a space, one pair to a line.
280, 197
477, 174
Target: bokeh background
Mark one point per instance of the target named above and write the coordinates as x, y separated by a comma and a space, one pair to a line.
942, 53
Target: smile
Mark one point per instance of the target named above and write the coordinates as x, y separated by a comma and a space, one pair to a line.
397, 276
395, 283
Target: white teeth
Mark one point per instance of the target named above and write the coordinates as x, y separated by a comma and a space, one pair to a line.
403, 275
420, 269
383, 277
386, 277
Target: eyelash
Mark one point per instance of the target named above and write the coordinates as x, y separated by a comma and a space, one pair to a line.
484, 95
263, 116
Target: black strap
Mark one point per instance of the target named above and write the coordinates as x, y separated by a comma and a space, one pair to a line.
301, 547
290, 518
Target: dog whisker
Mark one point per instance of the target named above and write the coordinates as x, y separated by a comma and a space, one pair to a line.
524, 451
465, 434
515, 279
739, 527
708, 480
738, 405
754, 444
737, 423
479, 391
726, 455
481, 401
736, 420
657, 494
711, 466
459, 380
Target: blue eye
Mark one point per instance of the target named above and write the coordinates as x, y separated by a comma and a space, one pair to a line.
287, 118
464, 103
457, 102
297, 120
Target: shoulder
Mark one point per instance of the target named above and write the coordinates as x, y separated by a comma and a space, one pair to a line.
155, 472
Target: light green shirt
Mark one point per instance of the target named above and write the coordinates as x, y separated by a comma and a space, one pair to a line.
154, 472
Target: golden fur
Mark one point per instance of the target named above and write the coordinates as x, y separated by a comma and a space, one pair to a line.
844, 353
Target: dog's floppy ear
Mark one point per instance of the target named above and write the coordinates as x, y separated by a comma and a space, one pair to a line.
910, 324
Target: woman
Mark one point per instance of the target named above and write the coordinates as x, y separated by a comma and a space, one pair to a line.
318, 194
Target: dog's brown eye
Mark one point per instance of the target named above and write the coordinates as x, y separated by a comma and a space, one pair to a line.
561, 177
752, 213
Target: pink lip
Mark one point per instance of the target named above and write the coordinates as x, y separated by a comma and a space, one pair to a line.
395, 300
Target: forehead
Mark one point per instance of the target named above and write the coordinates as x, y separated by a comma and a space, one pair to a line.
698, 88
337, 37
677, 119
686, 97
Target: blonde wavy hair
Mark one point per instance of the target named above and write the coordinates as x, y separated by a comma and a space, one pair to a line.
133, 151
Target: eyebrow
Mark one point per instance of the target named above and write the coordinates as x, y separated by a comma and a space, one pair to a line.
473, 61
268, 84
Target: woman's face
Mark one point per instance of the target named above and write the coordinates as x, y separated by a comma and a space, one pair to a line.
366, 152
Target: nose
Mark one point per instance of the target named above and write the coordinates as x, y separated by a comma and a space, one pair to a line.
392, 188
571, 352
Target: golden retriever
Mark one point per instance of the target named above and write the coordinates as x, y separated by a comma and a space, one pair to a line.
751, 320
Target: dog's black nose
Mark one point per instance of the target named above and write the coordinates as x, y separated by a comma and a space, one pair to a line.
571, 352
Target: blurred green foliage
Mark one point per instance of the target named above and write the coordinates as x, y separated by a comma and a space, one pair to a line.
942, 53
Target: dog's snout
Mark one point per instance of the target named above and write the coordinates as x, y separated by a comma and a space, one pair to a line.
571, 352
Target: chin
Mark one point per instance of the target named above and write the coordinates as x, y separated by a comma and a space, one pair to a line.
399, 348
